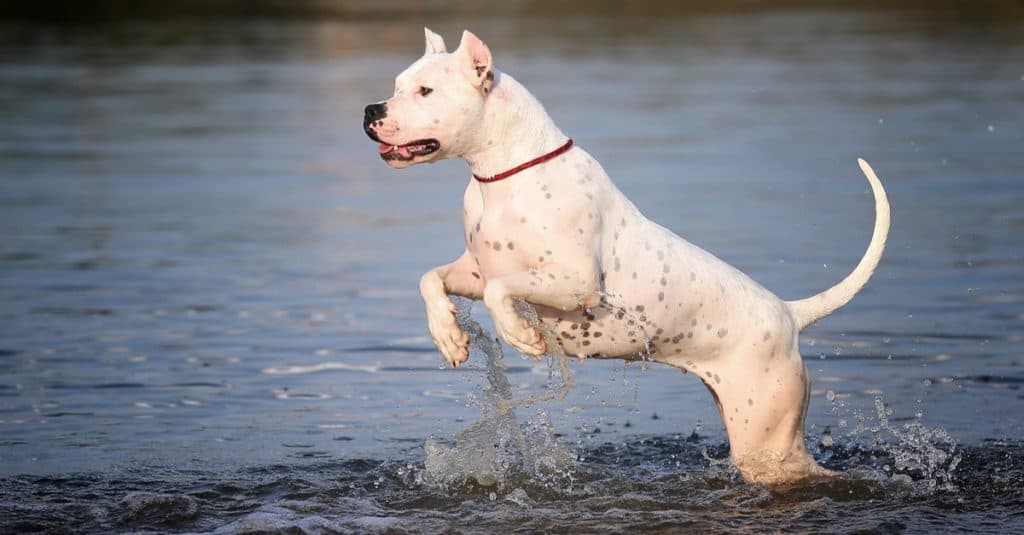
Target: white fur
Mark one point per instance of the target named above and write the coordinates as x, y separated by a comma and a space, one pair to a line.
609, 282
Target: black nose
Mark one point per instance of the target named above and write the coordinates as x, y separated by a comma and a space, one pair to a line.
375, 112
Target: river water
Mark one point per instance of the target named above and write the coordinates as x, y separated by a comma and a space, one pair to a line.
209, 317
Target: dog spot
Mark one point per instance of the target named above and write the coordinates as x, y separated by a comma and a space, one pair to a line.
497, 246
617, 265
540, 258
579, 230
708, 373
511, 246
664, 281
586, 342
717, 378
623, 222
547, 253
664, 268
767, 335
437, 121
634, 275
693, 322
709, 327
661, 255
693, 276
750, 402
639, 308
522, 220
661, 296
722, 333
547, 195
475, 274
689, 334
597, 334
574, 326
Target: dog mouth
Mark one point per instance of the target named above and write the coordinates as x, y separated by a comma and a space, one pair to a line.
408, 151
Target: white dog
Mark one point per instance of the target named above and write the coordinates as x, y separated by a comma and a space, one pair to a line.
544, 224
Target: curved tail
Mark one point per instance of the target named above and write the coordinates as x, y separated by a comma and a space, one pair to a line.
809, 310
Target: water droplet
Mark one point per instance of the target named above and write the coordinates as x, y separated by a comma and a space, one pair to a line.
830, 395
492, 496
991, 128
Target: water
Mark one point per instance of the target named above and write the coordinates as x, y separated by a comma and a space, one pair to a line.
209, 317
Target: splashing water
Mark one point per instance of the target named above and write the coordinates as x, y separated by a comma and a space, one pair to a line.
489, 451
921, 459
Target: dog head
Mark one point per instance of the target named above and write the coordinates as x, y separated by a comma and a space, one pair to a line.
438, 104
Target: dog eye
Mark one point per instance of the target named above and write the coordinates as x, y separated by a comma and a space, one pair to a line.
424, 91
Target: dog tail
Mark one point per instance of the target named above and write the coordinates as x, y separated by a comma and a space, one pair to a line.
809, 310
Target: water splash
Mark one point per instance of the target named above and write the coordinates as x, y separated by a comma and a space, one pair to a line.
490, 451
922, 459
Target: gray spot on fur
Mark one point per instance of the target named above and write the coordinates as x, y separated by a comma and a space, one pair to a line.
722, 333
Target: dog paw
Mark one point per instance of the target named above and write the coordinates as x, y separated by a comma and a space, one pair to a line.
451, 341
522, 336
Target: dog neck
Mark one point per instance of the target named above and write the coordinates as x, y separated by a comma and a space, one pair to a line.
515, 114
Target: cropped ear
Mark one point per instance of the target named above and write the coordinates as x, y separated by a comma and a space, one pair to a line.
435, 43
478, 58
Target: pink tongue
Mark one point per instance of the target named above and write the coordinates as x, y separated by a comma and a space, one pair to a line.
384, 148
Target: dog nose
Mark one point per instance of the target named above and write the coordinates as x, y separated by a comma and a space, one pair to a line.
375, 111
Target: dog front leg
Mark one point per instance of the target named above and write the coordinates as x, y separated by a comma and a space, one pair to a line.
461, 277
552, 287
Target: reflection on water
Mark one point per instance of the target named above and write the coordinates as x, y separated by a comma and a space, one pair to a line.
208, 280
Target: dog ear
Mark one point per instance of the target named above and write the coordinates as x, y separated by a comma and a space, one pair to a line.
435, 43
478, 57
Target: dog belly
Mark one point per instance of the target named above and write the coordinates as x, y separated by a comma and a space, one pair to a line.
665, 299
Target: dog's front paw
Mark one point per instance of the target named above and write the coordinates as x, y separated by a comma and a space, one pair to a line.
451, 341
512, 328
518, 333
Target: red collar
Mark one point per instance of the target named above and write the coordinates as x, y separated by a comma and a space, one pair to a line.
536, 161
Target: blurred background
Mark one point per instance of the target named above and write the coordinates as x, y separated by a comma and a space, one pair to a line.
203, 262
